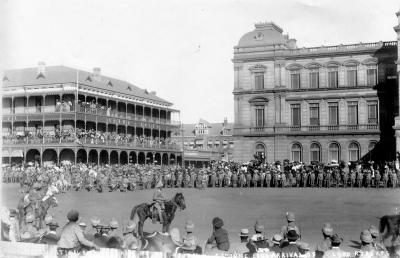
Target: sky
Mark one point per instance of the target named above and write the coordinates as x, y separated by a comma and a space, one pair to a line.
180, 49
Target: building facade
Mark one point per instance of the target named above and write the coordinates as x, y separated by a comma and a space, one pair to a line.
57, 113
204, 142
313, 104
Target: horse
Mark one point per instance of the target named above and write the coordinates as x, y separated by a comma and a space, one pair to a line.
144, 211
389, 226
44, 206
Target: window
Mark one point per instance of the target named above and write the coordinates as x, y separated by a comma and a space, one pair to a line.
296, 118
296, 152
352, 76
260, 117
295, 80
260, 150
315, 151
372, 112
371, 76
353, 112
334, 151
333, 114
314, 79
259, 81
314, 114
353, 151
332, 78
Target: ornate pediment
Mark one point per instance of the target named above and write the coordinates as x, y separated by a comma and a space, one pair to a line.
313, 65
258, 100
258, 68
332, 64
351, 62
370, 61
294, 66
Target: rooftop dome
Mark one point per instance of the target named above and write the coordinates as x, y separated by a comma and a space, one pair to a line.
265, 33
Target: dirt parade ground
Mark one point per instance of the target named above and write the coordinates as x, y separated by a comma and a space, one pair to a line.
348, 210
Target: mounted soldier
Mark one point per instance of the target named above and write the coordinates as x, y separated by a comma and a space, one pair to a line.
159, 200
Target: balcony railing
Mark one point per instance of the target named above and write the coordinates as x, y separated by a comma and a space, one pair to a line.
308, 128
93, 141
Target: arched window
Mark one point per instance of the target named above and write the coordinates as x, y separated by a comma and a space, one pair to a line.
296, 152
354, 151
260, 150
315, 151
334, 150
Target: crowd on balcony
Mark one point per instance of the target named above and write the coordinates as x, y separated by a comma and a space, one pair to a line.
94, 107
64, 106
90, 136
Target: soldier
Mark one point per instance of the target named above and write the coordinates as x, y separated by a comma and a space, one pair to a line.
213, 179
385, 178
204, 180
255, 178
179, 179
234, 179
290, 179
262, 177
320, 178
368, 179
186, 180
359, 178
159, 200
352, 178
345, 175
227, 179
173, 179
248, 179
242, 180
298, 178
283, 179
268, 178
377, 179
312, 178
327, 178
394, 179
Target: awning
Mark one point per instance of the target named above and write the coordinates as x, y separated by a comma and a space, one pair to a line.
6, 153
216, 142
201, 142
191, 143
225, 142
210, 142
17, 153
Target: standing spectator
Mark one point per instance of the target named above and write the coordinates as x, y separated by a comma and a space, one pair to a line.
289, 248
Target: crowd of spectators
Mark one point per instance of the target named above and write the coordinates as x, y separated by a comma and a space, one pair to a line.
64, 106
90, 136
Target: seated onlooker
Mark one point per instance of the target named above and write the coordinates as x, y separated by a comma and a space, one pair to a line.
335, 250
289, 248
72, 238
51, 237
325, 244
189, 240
130, 240
29, 231
258, 240
276, 243
219, 236
375, 237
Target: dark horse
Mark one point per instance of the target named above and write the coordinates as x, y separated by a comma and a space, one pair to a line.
40, 213
389, 226
144, 211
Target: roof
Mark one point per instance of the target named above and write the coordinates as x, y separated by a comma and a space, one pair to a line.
63, 74
264, 34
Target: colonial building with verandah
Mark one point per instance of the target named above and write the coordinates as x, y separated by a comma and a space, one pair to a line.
59, 113
313, 104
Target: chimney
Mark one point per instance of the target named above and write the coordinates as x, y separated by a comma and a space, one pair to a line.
97, 73
41, 69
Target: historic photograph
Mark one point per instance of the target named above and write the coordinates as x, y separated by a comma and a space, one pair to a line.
193, 128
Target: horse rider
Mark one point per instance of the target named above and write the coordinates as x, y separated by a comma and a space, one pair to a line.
33, 197
159, 200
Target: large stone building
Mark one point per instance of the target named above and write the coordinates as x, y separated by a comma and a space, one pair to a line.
313, 104
58, 113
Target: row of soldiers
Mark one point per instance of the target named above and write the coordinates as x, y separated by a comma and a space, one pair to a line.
133, 177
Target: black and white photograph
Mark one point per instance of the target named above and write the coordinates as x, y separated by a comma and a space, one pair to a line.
200, 128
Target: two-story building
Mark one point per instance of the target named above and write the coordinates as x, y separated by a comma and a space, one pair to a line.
313, 104
57, 113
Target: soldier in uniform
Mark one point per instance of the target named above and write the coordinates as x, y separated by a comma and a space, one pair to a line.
262, 177
290, 179
352, 178
385, 178
173, 179
186, 180
220, 178
234, 179
248, 179
320, 178
359, 178
242, 179
394, 179
345, 177
312, 178
213, 179
179, 180
368, 179
159, 200
255, 178
283, 179
377, 178
268, 178
29, 231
